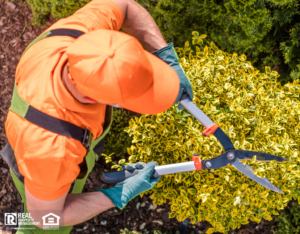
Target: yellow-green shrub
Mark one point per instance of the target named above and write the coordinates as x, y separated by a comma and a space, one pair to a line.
255, 111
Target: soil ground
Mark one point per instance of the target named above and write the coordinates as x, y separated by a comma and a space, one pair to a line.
14, 37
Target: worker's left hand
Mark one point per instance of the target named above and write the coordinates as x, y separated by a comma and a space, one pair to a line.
128, 189
169, 55
131, 167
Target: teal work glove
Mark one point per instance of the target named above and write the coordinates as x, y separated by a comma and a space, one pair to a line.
128, 189
169, 55
131, 167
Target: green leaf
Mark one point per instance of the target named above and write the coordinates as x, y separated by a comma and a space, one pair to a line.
236, 201
172, 215
195, 33
185, 114
187, 44
192, 191
122, 161
178, 177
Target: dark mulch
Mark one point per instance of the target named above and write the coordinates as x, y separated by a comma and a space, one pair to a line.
14, 16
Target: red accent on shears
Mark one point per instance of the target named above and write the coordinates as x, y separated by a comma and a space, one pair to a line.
197, 162
210, 130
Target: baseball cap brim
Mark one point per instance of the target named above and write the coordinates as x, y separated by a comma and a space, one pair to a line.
163, 92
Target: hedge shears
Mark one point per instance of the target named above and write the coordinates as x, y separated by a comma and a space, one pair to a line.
231, 155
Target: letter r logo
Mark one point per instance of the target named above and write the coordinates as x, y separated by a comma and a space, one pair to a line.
10, 218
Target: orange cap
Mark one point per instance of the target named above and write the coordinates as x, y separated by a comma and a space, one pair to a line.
113, 68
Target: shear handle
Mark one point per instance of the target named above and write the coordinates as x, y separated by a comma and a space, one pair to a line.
186, 102
211, 127
118, 176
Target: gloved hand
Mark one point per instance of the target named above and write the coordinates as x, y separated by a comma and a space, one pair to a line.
169, 55
128, 189
131, 167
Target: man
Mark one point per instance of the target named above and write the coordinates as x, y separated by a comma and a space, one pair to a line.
66, 82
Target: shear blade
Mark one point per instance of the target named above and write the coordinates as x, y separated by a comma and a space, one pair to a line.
263, 157
248, 171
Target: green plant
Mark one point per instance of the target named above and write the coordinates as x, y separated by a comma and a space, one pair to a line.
126, 231
58, 8
117, 140
266, 31
288, 221
255, 111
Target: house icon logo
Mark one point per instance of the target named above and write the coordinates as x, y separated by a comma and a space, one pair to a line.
51, 219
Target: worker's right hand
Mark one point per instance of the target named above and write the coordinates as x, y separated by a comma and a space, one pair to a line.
128, 189
169, 55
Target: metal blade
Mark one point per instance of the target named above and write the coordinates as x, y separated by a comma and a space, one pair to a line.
248, 171
263, 157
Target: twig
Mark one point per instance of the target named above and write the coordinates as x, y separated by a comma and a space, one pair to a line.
3, 110
21, 34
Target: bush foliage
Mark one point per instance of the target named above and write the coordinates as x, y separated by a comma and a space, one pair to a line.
255, 111
58, 8
117, 141
266, 31
289, 220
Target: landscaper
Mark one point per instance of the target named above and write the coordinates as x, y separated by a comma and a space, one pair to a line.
67, 81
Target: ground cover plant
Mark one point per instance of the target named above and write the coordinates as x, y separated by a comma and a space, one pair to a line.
126, 231
257, 113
